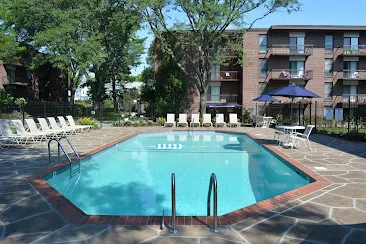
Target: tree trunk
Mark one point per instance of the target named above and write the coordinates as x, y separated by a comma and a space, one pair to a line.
72, 90
114, 95
203, 100
34, 87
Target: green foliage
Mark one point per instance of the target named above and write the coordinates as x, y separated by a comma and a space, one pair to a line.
199, 38
88, 121
160, 121
166, 90
246, 117
20, 101
5, 98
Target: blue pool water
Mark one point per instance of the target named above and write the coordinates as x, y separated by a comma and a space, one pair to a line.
134, 176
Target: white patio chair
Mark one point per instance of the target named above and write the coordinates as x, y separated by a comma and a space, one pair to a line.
55, 126
278, 134
259, 122
7, 134
64, 125
170, 120
207, 120
73, 125
295, 137
33, 129
195, 120
233, 120
22, 132
182, 120
220, 120
46, 128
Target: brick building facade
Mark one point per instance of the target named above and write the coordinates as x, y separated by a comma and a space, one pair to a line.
327, 60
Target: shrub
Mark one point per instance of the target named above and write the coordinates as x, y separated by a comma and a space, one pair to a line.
88, 121
160, 121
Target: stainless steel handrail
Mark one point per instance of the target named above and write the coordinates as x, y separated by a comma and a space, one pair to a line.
174, 228
64, 137
213, 184
59, 146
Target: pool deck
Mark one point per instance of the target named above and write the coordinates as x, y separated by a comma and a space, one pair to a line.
333, 214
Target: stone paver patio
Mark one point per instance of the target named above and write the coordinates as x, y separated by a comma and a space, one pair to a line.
334, 214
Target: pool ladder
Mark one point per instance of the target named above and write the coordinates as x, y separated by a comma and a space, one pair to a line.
213, 185
73, 170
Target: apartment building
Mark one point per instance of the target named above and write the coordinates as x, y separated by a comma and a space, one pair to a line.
327, 60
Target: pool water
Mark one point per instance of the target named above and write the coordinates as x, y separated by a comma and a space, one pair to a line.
134, 176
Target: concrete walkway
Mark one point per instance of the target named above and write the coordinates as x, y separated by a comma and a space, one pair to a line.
335, 214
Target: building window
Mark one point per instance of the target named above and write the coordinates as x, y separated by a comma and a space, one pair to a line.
262, 67
262, 43
328, 67
214, 93
350, 43
328, 44
328, 91
350, 93
297, 69
297, 44
262, 88
215, 71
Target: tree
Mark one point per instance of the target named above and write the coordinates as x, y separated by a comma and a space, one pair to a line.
165, 89
56, 28
200, 38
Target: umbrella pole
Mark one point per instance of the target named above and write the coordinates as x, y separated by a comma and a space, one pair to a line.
292, 100
265, 108
256, 109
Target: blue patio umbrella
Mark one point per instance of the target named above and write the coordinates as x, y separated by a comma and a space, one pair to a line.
265, 98
293, 91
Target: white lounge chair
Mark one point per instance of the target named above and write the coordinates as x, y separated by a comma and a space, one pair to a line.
22, 132
207, 120
67, 127
33, 129
233, 120
182, 120
170, 120
7, 134
302, 136
55, 126
195, 120
220, 120
73, 125
46, 128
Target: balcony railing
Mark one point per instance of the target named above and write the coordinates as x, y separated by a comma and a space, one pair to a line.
223, 98
354, 74
296, 50
354, 50
291, 74
354, 98
14, 80
225, 76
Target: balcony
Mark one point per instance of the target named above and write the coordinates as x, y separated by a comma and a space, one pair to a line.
223, 98
290, 50
225, 76
354, 75
354, 98
7, 80
291, 74
354, 50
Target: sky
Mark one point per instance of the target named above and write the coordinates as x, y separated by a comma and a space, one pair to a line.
313, 12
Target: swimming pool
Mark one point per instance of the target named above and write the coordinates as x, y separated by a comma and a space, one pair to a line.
133, 177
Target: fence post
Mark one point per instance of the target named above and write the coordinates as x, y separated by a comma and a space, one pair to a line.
23, 112
310, 113
349, 112
316, 108
44, 109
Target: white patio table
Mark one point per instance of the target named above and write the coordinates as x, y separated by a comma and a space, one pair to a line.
289, 130
266, 121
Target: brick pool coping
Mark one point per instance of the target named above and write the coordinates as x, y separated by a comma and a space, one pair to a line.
76, 216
